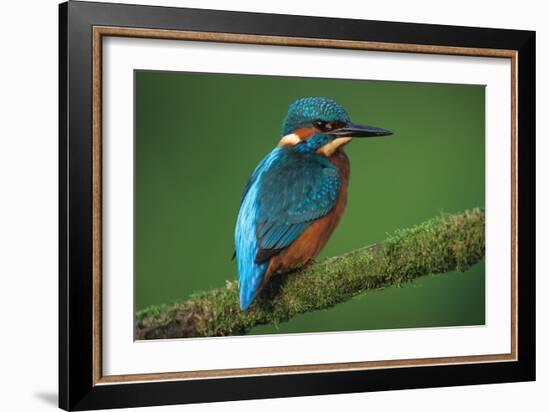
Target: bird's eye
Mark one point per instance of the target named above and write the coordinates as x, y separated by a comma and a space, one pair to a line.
322, 125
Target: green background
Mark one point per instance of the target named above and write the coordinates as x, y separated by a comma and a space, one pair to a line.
199, 136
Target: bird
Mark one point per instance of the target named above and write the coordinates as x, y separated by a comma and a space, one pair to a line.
296, 195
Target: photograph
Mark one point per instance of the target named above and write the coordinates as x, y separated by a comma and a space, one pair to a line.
283, 205
259, 205
214, 206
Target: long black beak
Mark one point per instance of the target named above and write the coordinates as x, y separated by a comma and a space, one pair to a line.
357, 130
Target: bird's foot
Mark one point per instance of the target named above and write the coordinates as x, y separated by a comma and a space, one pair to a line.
308, 263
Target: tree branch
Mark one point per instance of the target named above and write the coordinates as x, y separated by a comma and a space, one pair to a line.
443, 244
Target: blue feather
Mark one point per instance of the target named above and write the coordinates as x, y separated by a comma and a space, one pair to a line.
286, 192
246, 247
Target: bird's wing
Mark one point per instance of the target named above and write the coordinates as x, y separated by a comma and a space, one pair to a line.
293, 192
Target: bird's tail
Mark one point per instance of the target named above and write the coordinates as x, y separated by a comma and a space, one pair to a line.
251, 274
250, 279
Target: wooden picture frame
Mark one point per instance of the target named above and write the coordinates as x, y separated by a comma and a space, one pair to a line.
82, 384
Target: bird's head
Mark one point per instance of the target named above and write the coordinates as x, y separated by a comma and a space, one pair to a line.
319, 124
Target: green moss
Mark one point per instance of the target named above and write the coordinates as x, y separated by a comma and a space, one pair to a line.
445, 243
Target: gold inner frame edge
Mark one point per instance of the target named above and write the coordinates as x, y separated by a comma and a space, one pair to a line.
101, 31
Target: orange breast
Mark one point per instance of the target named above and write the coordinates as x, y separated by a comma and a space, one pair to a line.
310, 243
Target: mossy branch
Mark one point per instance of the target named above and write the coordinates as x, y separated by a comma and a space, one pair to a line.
443, 244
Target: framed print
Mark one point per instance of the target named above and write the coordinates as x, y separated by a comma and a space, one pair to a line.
257, 205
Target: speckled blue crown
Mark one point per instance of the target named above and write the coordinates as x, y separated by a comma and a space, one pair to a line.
308, 109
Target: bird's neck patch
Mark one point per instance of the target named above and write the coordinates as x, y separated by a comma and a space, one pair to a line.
331, 147
299, 135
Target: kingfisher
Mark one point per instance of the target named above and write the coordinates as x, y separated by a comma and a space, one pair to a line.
296, 195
